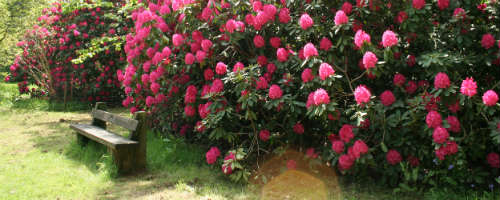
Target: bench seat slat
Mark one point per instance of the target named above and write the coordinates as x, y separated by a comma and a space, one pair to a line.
127, 123
102, 136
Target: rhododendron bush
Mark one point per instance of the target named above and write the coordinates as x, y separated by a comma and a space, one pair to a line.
405, 90
79, 44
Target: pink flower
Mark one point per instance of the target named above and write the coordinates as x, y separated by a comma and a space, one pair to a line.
362, 95
346, 133
271, 68
231, 25
418, 4
310, 50
264, 135
189, 111
345, 162
443, 4
305, 21
284, 15
208, 74
451, 147
338, 146
261, 83
257, 6
189, 59
414, 162
494, 160
441, 153
347, 7
307, 75
177, 39
359, 148
206, 45
433, 119
275, 42
150, 101
200, 56
275, 92
361, 37
459, 13
490, 98
454, 124
221, 68
262, 60
393, 157
369, 60
325, 44
411, 87
402, 16
238, 67
399, 79
341, 18
387, 98
468, 87
190, 96
321, 97
259, 41
155, 88
217, 86
298, 128
488, 41
212, 155
325, 71
282, 55
389, 39
440, 135
441, 81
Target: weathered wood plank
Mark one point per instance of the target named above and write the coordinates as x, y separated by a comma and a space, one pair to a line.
102, 136
127, 123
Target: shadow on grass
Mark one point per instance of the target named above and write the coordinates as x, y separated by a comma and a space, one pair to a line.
175, 170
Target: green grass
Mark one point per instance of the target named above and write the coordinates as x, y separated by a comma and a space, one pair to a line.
40, 159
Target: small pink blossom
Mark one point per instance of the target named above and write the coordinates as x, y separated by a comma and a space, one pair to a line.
341, 18
441, 81
487, 41
310, 50
369, 60
264, 135
305, 21
468, 87
325, 71
361, 37
307, 75
321, 97
325, 44
221, 68
362, 95
387, 98
275, 92
389, 39
490, 98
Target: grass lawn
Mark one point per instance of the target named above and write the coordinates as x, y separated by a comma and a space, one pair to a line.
39, 159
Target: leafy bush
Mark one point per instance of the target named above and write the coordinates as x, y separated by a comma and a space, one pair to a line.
405, 90
74, 52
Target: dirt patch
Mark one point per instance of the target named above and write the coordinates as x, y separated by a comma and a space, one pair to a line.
293, 175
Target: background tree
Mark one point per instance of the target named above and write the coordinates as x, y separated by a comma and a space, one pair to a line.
16, 16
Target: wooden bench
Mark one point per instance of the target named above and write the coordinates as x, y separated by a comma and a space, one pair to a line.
129, 154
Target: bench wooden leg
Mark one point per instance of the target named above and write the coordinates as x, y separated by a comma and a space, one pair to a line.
82, 140
124, 160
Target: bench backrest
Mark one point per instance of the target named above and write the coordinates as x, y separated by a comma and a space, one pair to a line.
130, 124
